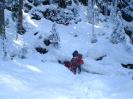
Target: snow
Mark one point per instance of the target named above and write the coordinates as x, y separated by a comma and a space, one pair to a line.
38, 80
42, 77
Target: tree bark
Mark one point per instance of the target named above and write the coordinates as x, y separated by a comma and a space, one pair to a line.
20, 28
2, 25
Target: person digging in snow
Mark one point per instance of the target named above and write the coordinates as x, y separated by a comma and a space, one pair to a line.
76, 62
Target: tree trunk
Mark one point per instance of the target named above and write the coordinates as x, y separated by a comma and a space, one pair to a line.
2, 25
91, 19
93, 39
20, 28
105, 12
113, 13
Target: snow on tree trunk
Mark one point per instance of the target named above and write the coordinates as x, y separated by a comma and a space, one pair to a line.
2, 26
54, 37
113, 14
96, 13
90, 10
91, 19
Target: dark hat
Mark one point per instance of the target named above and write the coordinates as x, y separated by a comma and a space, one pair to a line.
75, 53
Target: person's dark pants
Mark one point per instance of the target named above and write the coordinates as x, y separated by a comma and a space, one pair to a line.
74, 70
79, 68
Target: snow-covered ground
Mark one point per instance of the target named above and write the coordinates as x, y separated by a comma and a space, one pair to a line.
42, 77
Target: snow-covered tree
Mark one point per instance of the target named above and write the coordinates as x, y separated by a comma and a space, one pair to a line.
118, 34
96, 14
113, 11
54, 37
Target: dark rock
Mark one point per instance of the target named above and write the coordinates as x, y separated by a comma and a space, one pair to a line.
127, 17
35, 4
60, 62
12, 56
84, 2
40, 37
69, 3
27, 6
30, 1
75, 35
26, 11
9, 8
47, 42
48, 13
36, 33
23, 31
61, 16
36, 17
129, 66
41, 50
100, 58
22, 57
128, 31
46, 2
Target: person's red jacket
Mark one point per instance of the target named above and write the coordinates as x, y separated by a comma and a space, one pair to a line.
75, 61
80, 60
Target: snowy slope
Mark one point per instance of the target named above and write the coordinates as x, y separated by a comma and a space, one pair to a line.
42, 77
24, 79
